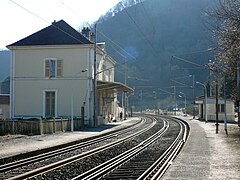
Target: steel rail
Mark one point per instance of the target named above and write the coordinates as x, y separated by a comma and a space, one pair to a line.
75, 158
40, 157
156, 170
170, 159
126, 156
159, 167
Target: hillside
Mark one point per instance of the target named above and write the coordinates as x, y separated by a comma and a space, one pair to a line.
4, 72
152, 32
4, 64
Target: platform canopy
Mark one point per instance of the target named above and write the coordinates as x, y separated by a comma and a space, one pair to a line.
120, 87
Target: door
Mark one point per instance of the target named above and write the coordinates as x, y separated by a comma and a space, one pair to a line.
201, 114
50, 104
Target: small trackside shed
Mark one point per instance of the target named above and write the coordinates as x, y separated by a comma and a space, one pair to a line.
211, 109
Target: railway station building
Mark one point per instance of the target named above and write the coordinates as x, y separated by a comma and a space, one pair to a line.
52, 75
210, 109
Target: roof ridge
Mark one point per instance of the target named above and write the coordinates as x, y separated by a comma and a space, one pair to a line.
58, 33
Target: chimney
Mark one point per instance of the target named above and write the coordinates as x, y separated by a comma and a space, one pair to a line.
92, 37
86, 32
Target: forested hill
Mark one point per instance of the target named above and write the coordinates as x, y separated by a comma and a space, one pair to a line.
151, 31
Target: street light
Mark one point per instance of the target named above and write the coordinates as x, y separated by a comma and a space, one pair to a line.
205, 92
185, 102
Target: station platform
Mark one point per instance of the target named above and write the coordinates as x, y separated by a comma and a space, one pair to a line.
207, 155
11, 145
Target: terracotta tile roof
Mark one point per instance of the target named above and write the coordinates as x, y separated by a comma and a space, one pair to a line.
59, 33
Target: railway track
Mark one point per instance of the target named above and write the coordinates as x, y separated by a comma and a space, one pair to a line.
156, 145
34, 164
148, 160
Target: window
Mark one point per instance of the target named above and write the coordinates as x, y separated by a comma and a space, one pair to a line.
221, 108
53, 68
50, 104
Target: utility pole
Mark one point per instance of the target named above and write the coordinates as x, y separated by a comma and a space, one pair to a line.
217, 106
125, 93
238, 90
175, 101
194, 111
141, 100
225, 105
95, 80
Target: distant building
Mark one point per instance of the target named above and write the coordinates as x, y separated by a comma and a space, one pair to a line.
5, 86
4, 106
52, 76
211, 109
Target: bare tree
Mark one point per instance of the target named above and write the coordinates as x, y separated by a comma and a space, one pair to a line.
227, 34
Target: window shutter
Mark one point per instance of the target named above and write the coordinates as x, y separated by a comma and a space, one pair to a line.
59, 67
47, 68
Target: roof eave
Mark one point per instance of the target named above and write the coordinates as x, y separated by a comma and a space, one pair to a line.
10, 47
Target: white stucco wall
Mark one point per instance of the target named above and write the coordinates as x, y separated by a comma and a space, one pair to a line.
29, 82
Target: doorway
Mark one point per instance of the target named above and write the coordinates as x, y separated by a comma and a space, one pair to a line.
50, 104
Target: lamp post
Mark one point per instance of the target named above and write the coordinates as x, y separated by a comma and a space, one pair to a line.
185, 102
205, 92
193, 87
213, 67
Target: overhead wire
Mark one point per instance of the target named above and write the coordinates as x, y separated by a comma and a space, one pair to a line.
187, 61
30, 12
113, 44
116, 44
109, 39
68, 7
46, 21
68, 33
139, 29
148, 17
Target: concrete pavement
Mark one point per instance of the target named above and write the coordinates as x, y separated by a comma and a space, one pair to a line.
208, 155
